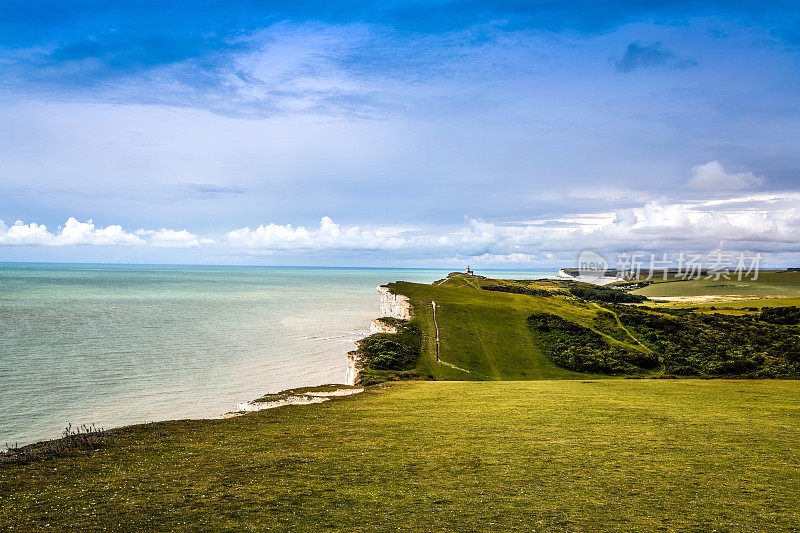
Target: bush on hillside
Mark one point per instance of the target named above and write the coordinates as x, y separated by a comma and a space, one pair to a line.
596, 293
576, 347
517, 289
391, 351
780, 315
715, 344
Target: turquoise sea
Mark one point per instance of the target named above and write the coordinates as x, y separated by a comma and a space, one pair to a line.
112, 345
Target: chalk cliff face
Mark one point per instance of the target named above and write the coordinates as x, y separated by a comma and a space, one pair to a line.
353, 369
394, 305
379, 326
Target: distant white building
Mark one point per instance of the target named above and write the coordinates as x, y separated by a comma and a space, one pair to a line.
470, 272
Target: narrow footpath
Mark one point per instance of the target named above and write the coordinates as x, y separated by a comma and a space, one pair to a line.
436, 326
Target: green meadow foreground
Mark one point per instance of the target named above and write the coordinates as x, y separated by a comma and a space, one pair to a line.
536, 455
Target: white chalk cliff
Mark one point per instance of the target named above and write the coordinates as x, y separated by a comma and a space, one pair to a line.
392, 305
353, 368
377, 325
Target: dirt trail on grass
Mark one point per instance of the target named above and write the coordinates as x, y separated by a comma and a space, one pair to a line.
438, 357
619, 323
436, 327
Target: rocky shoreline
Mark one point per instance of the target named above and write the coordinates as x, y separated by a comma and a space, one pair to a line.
300, 396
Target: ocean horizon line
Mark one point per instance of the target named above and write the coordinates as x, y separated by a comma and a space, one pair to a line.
215, 265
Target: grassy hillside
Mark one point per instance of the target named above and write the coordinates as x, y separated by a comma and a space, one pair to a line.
484, 334
770, 284
503, 329
599, 455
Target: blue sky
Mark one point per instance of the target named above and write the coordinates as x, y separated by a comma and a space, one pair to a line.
507, 134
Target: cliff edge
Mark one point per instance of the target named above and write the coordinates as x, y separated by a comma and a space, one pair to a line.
392, 305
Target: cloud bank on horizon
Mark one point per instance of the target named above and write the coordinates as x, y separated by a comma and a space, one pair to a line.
433, 132
732, 225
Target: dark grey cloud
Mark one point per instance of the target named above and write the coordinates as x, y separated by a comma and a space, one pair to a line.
639, 55
203, 190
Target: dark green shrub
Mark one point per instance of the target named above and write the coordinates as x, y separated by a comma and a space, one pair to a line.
681, 370
517, 289
596, 293
384, 353
576, 347
780, 315
390, 351
716, 344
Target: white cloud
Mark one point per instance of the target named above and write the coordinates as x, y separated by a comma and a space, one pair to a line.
328, 236
671, 225
655, 226
712, 176
766, 223
20, 233
170, 238
75, 232
508, 258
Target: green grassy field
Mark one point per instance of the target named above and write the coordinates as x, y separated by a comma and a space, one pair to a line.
769, 284
736, 307
598, 455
